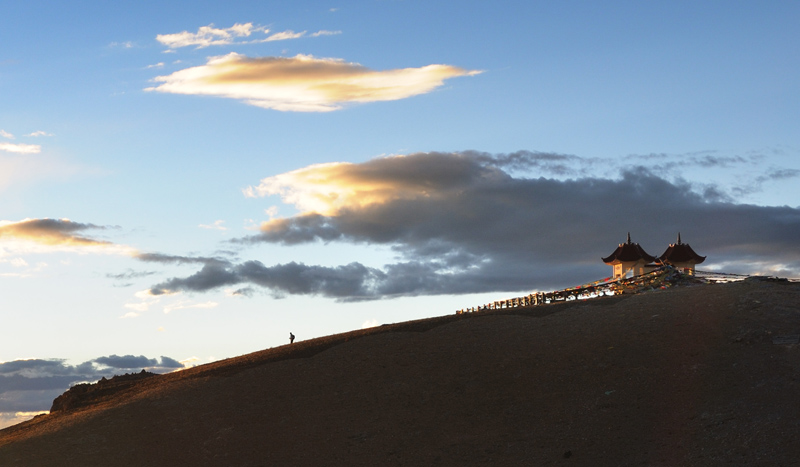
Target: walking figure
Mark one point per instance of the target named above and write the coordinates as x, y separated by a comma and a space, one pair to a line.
291, 338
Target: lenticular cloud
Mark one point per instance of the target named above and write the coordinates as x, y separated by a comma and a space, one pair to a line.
303, 83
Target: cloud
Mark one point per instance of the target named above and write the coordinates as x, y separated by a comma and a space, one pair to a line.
349, 282
176, 259
370, 323
207, 36
124, 45
302, 83
285, 35
38, 133
328, 188
51, 232
189, 305
463, 223
325, 33
132, 362
130, 274
217, 225
49, 235
6, 134
20, 148
28, 387
12, 418
756, 184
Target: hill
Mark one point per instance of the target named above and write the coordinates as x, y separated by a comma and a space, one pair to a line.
696, 375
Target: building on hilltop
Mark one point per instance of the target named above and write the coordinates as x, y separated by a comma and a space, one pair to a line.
630, 259
681, 256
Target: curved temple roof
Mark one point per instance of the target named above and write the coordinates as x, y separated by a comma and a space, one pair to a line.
681, 253
628, 251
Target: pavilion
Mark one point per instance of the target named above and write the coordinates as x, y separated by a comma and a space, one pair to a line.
681, 256
630, 259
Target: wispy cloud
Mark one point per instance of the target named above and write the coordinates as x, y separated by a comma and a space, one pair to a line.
756, 184
303, 83
6, 134
124, 45
21, 148
38, 133
207, 36
284, 35
325, 33
189, 305
239, 33
217, 225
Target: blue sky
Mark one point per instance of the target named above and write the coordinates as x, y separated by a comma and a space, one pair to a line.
190, 181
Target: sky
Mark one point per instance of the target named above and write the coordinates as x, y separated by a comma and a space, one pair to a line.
191, 181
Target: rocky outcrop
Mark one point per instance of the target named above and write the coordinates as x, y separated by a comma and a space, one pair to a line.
82, 395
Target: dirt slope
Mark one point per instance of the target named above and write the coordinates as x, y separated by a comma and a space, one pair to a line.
702, 375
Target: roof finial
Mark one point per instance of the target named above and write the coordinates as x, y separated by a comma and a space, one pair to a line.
679, 238
629, 238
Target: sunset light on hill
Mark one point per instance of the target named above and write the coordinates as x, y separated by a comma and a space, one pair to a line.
191, 181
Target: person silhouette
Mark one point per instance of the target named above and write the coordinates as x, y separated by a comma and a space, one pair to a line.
291, 338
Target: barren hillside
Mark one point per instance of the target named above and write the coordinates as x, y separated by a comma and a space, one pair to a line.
696, 375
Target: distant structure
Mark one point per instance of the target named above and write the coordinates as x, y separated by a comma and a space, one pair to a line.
681, 256
630, 259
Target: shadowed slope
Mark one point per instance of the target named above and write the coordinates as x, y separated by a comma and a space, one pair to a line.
700, 375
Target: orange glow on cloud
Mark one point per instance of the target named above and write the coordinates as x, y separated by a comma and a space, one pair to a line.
327, 188
303, 83
44, 235
47, 232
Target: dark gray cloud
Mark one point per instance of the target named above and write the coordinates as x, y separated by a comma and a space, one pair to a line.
31, 385
175, 259
542, 162
353, 281
132, 362
130, 274
461, 223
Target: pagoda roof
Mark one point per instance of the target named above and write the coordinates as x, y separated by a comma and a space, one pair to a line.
627, 252
681, 253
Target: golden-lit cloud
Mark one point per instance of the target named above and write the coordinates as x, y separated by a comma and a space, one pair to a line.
303, 83
20, 148
329, 188
49, 232
45, 235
